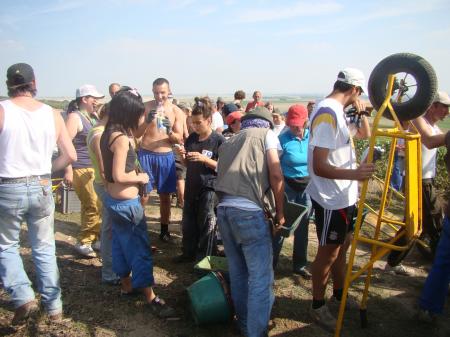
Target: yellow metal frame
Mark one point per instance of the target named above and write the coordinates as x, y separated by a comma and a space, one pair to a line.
411, 226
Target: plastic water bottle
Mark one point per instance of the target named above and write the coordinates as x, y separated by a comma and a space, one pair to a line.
160, 117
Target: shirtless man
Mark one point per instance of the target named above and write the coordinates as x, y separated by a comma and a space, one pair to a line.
155, 152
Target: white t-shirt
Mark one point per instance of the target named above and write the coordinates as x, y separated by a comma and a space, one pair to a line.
217, 121
271, 142
328, 129
429, 155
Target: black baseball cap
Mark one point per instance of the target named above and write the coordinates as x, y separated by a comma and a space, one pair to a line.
19, 74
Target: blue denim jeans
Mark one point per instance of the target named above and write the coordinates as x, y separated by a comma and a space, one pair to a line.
33, 203
435, 289
106, 238
300, 254
248, 245
397, 172
131, 250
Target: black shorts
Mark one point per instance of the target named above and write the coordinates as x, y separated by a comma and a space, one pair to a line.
180, 170
332, 226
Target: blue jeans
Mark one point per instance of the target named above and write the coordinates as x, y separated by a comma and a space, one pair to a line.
248, 246
435, 289
300, 254
131, 250
106, 238
33, 203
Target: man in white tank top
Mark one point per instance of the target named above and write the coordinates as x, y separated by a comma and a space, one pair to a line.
432, 138
29, 131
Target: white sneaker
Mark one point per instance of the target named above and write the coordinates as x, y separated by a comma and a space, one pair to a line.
323, 317
96, 245
399, 270
85, 250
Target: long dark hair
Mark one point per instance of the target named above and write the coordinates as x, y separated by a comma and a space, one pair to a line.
125, 110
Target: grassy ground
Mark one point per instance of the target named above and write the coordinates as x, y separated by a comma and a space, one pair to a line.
94, 309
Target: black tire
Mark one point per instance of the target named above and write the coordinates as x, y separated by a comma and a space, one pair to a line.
395, 257
416, 67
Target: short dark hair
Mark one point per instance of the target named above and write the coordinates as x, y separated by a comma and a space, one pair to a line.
72, 106
342, 86
23, 89
125, 109
160, 81
202, 107
240, 94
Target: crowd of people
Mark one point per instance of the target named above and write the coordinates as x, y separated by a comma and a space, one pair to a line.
231, 168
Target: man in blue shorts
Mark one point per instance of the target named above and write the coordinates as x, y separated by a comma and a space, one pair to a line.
155, 154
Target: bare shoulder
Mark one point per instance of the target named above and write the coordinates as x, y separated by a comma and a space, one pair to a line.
179, 114
421, 124
149, 105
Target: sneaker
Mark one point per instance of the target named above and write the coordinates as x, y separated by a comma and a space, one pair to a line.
350, 304
323, 317
22, 313
303, 272
161, 309
399, 270
96, 245
85, 250
164, 236
112, 282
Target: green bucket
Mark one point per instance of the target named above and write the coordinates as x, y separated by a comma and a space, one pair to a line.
210, 299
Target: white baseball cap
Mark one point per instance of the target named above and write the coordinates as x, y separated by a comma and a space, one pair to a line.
88, 90
442, 97
354, 77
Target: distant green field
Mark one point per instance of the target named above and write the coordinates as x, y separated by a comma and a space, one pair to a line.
385, 123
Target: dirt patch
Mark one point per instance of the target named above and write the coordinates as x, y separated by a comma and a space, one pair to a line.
94, 309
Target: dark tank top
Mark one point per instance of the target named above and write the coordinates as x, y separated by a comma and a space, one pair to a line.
108, 155
79, 142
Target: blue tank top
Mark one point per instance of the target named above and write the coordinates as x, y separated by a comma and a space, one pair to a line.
79, 142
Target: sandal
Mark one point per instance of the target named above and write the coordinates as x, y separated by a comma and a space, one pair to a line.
161, 309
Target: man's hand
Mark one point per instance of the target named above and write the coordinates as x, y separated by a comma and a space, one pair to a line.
359, 105
364, 171
143, 178
279, 222
179, 148
150, 116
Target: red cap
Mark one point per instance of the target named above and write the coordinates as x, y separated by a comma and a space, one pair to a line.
297, 115
236, 115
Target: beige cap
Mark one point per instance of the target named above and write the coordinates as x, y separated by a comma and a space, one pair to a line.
442, 97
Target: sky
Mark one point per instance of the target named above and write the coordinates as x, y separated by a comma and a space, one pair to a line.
207, 47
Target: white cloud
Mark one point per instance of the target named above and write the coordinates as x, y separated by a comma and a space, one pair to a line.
301, 8
180, 4
392, 10
60, 6
205, 11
